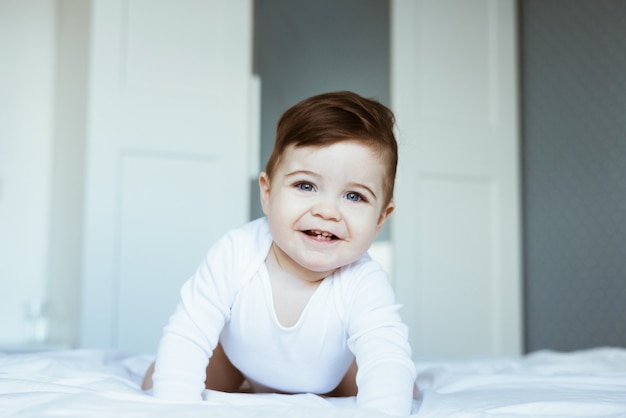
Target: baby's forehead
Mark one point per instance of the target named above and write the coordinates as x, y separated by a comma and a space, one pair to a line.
348, 161
331, 147
341, 152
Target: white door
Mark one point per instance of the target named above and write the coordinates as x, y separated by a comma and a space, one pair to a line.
167, 156
456, 230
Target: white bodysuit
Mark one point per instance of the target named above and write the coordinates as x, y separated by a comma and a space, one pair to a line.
352, 313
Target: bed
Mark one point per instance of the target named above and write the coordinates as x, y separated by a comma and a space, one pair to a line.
104, 383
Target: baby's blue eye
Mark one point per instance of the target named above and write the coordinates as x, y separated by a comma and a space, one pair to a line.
307, 187
354, 197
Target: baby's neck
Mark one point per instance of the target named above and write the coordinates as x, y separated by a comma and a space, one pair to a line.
291, 293
278, 261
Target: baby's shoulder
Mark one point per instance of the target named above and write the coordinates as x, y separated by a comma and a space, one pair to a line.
255, 231
247, 241
240, 251
361, 287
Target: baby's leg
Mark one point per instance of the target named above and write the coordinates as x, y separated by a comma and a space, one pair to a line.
220, 374
347, 386
147, 378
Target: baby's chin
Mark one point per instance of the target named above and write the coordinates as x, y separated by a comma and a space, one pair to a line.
318, 265
315, 270
326, 269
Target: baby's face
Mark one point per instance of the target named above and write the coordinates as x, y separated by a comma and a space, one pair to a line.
324, 206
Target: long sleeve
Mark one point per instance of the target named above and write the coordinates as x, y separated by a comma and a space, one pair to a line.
194, 329
379, 340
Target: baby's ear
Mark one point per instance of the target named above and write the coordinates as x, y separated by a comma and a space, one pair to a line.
384, 215
264, 186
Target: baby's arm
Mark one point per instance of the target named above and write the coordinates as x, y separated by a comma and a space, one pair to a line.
180, 367
379, 340
193, 330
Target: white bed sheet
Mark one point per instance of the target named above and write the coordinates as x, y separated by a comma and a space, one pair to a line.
96, 383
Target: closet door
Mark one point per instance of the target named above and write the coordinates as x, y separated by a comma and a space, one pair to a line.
456, 230
167, 156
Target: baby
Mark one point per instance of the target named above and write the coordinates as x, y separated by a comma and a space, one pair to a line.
291, 302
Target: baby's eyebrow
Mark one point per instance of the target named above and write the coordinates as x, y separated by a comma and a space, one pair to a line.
301, 172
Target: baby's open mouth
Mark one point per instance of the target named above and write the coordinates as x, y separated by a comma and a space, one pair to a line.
321, 235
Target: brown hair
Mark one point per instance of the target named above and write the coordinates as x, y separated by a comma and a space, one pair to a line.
328, 118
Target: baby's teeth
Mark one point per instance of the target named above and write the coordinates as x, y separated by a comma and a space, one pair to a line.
320, 234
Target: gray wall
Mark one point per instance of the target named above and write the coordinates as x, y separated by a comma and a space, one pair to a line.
574, 147
305, 47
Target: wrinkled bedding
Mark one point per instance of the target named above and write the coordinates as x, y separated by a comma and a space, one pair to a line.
101, 383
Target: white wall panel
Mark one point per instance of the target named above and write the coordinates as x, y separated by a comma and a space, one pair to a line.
456, 228
167, 202
27, 94
159, 60
457, 258
168, 147
454, 81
